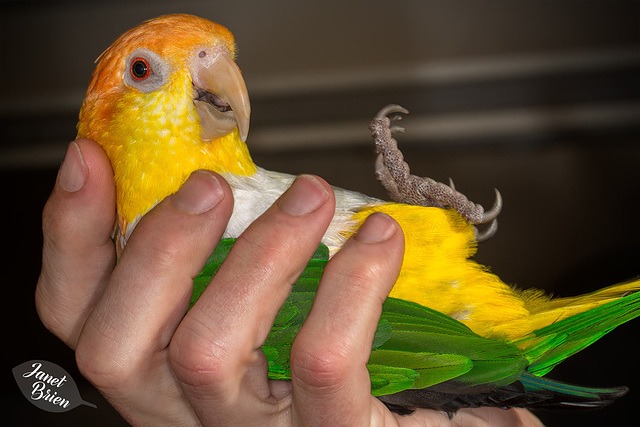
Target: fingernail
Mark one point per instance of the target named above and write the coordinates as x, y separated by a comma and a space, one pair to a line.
73, 171
377, 228
199, 194
305, 195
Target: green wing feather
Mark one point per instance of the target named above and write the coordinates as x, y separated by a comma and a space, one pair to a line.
416, 347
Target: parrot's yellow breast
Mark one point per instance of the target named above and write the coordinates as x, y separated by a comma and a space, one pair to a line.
154, 142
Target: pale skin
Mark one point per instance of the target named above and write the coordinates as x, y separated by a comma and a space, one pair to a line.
161, 365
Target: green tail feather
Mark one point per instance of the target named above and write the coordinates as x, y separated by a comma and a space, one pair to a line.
416, 347
569, 336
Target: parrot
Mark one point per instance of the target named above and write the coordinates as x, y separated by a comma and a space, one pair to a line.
167, 98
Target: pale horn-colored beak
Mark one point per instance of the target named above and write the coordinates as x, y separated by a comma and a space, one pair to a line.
220, 94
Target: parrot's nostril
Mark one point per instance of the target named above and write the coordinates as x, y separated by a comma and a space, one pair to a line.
210, 98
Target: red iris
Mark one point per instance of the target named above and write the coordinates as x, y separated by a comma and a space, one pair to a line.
140, 69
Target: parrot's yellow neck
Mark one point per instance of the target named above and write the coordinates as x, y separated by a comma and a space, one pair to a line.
154, 143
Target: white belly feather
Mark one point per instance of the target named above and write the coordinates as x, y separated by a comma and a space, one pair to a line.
254, 194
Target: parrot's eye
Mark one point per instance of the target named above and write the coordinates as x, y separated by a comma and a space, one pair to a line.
145, 70
140, 69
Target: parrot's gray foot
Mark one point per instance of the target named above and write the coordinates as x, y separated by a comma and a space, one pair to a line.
393, 172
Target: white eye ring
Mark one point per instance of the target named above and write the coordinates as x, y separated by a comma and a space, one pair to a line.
146, 71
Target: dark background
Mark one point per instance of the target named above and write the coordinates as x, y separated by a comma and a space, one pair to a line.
538, 99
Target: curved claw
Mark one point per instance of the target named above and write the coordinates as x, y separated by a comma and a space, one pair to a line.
451, 184
391, 109
493, 213
403, 187
482, 236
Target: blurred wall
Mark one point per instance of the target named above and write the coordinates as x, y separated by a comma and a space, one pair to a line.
538, 99
465, 69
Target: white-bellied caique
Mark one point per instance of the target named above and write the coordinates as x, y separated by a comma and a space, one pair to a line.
167, 98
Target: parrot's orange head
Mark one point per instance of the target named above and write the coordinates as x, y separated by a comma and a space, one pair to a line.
166, 98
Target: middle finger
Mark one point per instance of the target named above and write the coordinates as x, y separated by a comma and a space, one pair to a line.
216, 351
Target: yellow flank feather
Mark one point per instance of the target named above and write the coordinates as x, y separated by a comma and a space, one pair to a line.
156, 138
437, 273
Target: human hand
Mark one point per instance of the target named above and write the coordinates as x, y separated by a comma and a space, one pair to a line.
159, 365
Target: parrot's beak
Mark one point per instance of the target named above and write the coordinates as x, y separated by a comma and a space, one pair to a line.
220, 94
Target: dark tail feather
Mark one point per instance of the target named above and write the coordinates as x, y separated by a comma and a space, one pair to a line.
565, 395
530, 392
